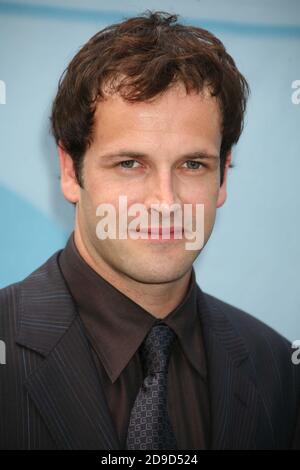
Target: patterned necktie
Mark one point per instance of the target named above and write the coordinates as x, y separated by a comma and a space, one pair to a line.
149, 425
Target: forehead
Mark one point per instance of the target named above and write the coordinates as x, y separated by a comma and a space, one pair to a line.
174, 112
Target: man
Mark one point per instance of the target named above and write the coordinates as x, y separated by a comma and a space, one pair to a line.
111, 344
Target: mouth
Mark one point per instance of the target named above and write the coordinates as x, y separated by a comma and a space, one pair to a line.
162, 233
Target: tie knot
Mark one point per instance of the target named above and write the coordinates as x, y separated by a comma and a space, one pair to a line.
155, 349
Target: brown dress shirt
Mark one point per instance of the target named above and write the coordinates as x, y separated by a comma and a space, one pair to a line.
116, 327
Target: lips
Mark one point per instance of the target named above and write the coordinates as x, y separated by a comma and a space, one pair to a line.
162, 230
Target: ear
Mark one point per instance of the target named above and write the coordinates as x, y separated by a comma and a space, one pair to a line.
69, 184
223, 189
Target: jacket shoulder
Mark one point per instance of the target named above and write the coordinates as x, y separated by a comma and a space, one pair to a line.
247, 324
256, 333
9, 301
10, 295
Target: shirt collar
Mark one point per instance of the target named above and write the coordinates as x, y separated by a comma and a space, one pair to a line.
116, 324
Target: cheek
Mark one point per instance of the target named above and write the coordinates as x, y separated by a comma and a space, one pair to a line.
86, 209
98, 192
205, 193
208, 198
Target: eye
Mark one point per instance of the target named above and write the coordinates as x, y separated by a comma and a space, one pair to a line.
194, 165
127, 163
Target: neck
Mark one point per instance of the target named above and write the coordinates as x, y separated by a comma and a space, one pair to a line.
157, 299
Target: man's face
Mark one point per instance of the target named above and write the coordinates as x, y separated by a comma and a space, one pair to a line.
166, 130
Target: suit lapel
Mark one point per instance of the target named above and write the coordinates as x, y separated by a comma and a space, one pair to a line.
235, 401
65, 388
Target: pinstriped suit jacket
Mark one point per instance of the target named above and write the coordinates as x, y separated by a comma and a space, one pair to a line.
51, 398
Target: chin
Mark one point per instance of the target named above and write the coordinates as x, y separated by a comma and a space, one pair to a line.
155, 275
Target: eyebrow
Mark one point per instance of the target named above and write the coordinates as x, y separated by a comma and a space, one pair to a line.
134, 154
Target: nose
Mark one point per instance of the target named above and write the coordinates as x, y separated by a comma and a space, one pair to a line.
162, 192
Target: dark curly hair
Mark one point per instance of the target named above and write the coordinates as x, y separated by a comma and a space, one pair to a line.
140, 58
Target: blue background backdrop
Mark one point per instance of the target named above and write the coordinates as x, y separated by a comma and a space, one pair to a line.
253, 257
